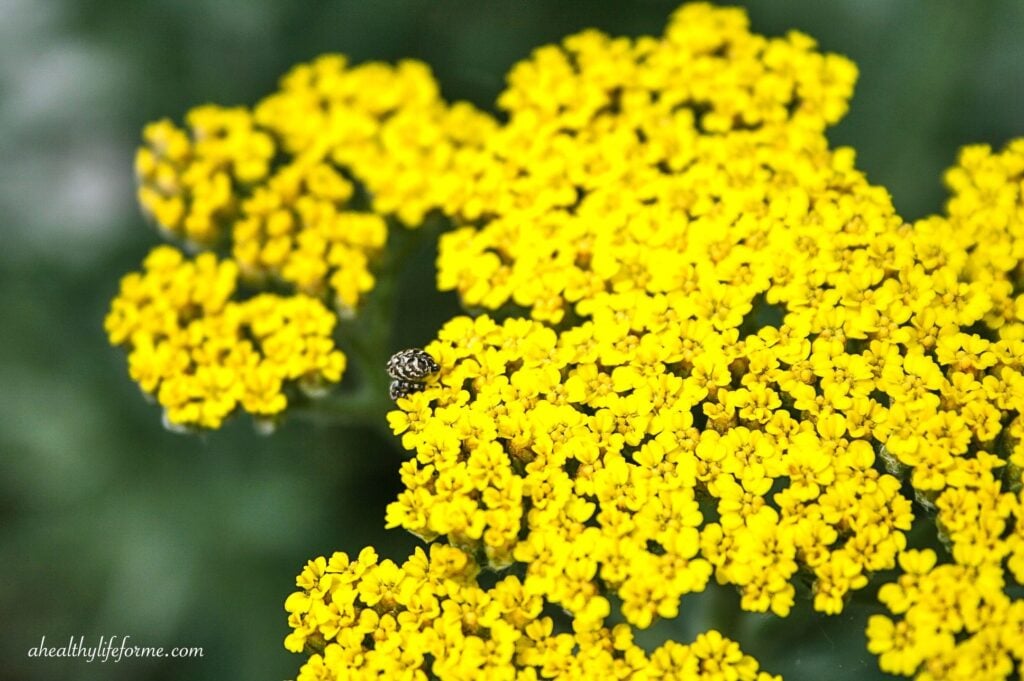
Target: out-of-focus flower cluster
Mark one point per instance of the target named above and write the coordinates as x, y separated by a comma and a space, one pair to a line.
364, 618
202, 354
298, 191
277, 180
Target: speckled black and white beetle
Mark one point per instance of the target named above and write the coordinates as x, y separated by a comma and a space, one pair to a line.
399, 388
411, 365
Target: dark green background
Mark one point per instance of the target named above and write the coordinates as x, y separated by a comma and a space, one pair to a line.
111, 526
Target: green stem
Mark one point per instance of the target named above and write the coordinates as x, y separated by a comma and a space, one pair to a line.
723, 611
367, 340
358, 409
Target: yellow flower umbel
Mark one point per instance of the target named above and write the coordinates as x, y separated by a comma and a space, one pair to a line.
722, 281
632, 164
300, 185
300, 190
724, 310
957, 435
203, 354
387, 125
364, 618
583, 455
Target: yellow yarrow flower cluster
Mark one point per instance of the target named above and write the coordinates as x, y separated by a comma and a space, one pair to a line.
676, 214
584, 454
300, 184
366, 618
202, 354
300, 190
627, 163
187, 177
957, 620
725, 311
986, 217
387, 125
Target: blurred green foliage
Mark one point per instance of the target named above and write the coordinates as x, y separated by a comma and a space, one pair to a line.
113, 526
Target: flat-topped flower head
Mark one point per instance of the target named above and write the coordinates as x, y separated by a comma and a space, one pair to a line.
649, 164
741, 360
300, 187
372, 618
203, 354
